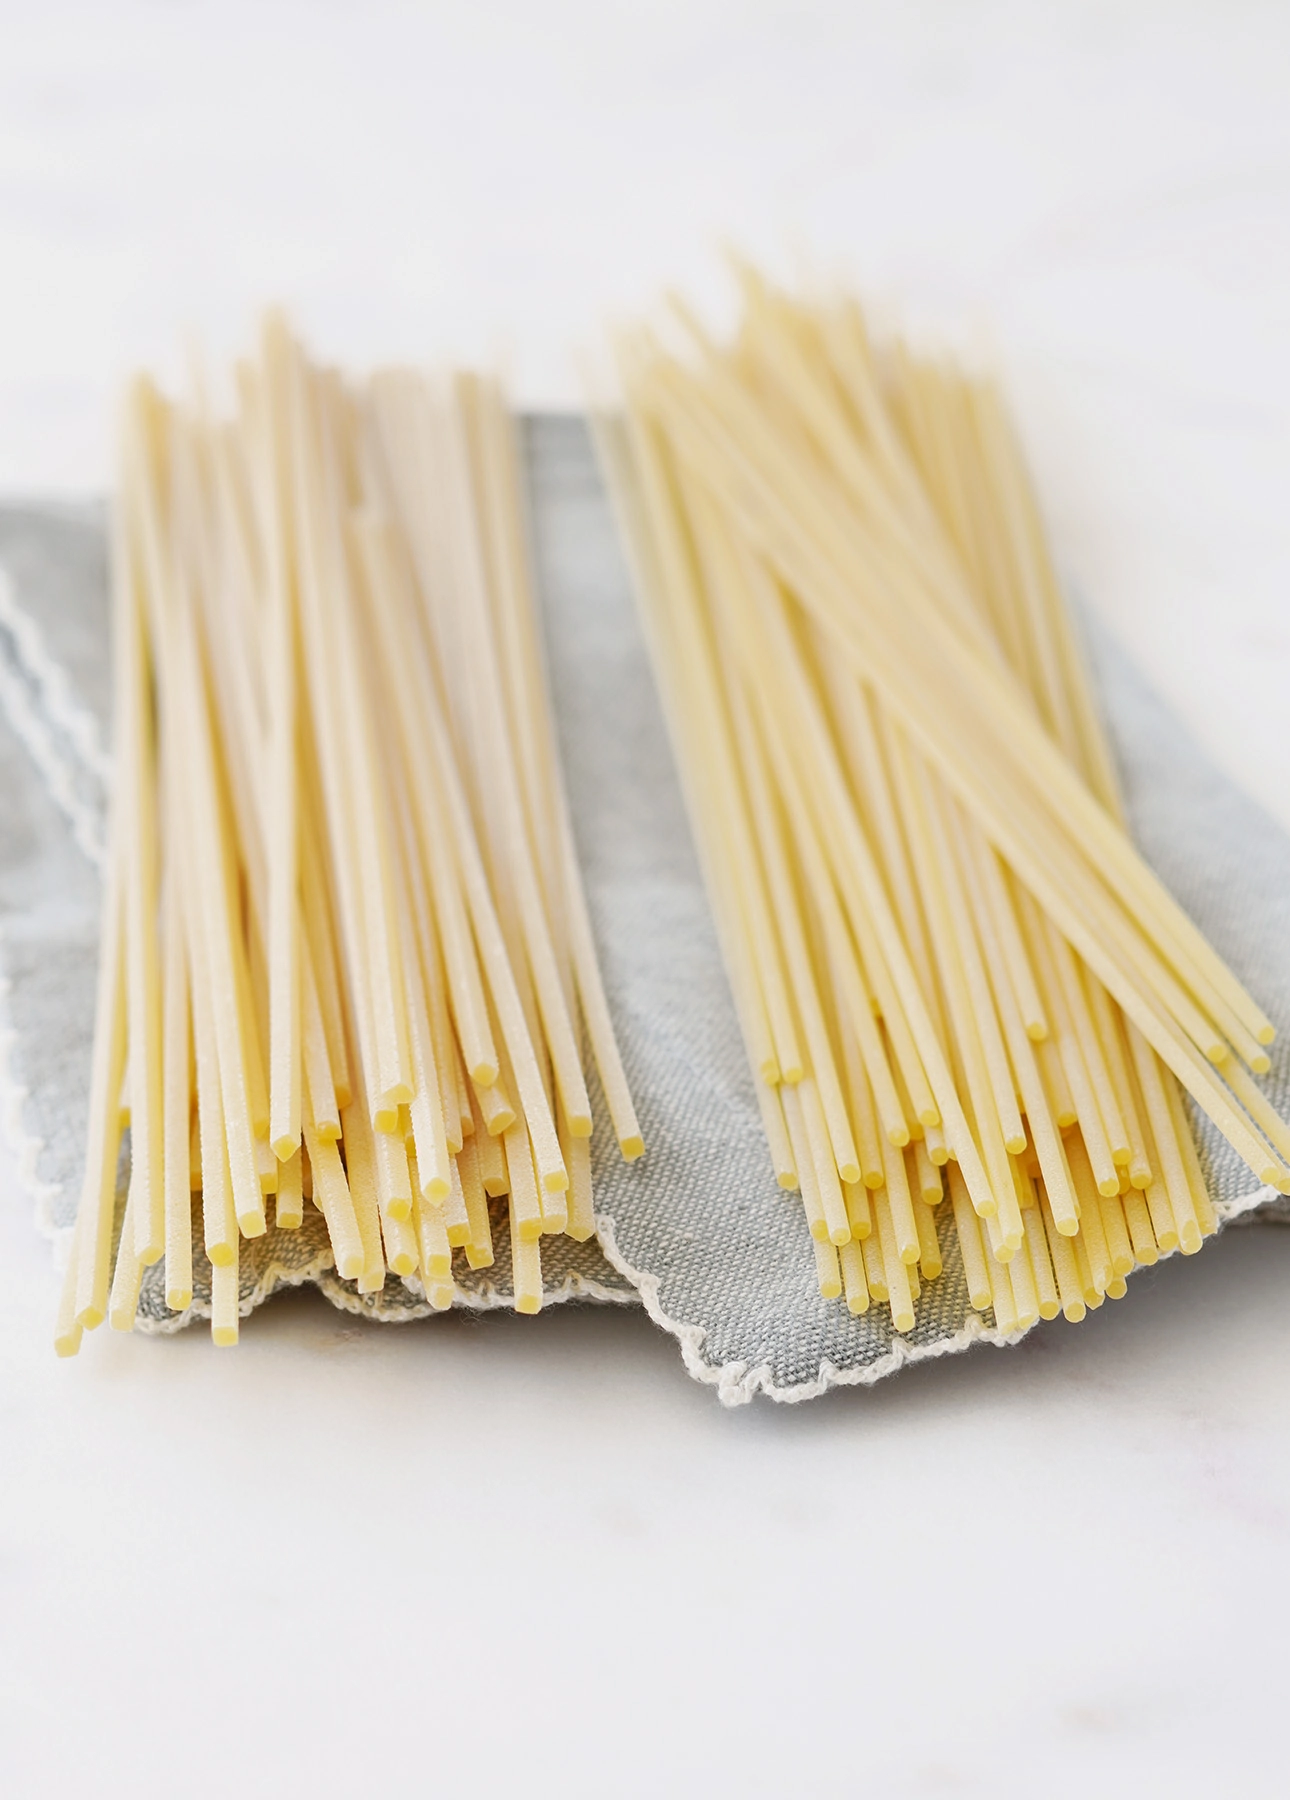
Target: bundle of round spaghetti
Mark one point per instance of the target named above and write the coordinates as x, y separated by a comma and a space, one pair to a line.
346, 956
955, 977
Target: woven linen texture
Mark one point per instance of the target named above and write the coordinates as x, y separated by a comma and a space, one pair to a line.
698, 1230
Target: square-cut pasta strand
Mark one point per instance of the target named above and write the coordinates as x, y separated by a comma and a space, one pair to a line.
1046, 1291
289, 1201
127, 1275
215, 943
352, 836
361, 1170
67, 1331
332, 1197
494, 1106
491, 1154
267, 1166
435, 1252
321, 938
135, 825
525, 1206
283, 391
526, 1264
479, 1242
399, 1238
393, 1175
320, 1087
176, 1100
456, 1219
226, 1303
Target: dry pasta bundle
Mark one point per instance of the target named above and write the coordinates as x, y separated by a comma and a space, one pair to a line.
968, 1003
346, 957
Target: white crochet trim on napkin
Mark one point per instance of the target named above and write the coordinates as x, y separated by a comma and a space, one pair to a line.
736, 1383
59, 734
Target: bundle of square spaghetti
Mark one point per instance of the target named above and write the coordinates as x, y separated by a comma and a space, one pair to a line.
346, 960
952, 970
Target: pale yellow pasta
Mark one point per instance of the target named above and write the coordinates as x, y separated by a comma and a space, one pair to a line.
346, 954
947, 958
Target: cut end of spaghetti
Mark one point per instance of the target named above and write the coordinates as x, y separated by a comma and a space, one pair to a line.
898, 778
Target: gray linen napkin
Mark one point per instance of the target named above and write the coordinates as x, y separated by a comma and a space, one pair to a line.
719, 1256
55, 683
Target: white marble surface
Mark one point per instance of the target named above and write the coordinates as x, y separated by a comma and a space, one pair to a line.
341, 1555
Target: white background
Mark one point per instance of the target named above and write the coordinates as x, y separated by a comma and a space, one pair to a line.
533, 1555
